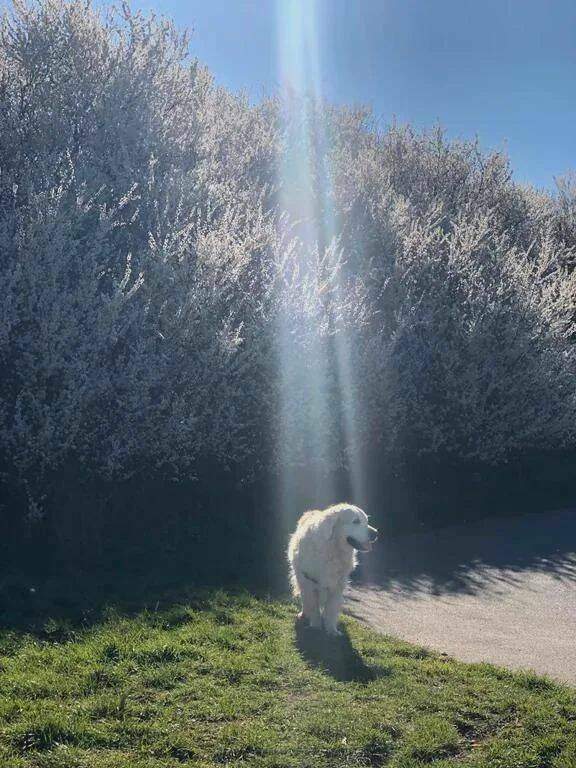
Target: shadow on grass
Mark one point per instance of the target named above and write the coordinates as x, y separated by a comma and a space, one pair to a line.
334, 655
468, 558
52, 605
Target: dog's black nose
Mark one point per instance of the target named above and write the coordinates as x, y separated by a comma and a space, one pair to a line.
373, 534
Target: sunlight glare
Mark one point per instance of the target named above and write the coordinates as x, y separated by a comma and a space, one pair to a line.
306, 195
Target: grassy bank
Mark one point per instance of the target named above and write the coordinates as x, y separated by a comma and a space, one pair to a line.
229, 680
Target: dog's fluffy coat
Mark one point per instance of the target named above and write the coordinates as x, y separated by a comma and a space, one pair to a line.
322, 555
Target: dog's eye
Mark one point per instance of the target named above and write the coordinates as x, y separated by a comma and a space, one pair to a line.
356, 521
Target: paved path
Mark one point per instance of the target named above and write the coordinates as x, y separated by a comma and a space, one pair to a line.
500, 590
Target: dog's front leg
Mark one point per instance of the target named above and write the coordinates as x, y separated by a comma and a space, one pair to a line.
332, 611
311, 606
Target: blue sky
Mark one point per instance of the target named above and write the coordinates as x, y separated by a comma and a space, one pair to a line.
503, 70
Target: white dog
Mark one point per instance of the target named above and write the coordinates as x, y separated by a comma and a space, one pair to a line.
322, 555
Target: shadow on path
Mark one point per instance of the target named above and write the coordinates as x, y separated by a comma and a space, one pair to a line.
474, 557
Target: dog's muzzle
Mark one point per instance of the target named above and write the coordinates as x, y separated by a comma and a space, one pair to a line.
363, 546
359, 545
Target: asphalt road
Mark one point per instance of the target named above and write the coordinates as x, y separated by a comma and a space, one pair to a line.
499, 590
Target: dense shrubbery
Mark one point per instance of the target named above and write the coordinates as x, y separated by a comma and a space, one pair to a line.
146, 261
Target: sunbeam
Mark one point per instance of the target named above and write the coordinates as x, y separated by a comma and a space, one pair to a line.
311, 427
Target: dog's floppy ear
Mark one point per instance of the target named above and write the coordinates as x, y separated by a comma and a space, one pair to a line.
334, 517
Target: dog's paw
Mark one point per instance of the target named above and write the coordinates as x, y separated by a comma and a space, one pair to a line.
333, 632
306, 621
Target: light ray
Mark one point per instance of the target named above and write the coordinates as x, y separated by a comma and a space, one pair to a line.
307, 196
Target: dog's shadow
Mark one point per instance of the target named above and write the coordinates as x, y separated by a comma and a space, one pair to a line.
334, 655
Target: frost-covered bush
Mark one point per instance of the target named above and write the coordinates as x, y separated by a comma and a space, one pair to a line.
135, 306
472, 294
474, 359
164, 300
463, 294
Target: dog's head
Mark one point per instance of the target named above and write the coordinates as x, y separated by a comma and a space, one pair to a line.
350, 526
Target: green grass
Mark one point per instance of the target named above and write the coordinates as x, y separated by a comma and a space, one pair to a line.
226, 680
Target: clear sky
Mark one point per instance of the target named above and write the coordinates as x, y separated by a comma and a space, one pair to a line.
503, 70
